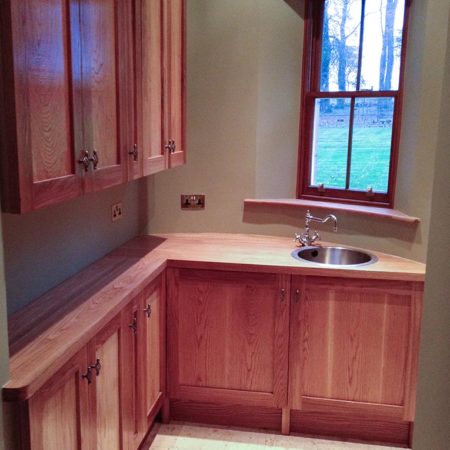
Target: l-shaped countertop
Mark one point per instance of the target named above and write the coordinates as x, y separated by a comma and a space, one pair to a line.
52, 329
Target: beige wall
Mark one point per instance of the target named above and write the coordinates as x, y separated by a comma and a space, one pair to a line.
44, 247
243, 111
432, 428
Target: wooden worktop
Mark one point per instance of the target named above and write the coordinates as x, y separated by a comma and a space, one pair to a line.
53, 328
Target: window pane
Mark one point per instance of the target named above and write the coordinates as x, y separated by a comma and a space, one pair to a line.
371, 150
330, 142
383, 28
340, 45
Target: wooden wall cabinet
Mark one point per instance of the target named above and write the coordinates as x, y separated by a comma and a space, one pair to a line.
61, 101
174, 81
159, 87
91, 94
228, 337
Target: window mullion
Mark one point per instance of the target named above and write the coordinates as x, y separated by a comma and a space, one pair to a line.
350, 143
361, 43
352, 94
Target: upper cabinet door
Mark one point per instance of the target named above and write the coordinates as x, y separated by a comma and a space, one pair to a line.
39, 166
174, 84
148, 69
92, 93
102, 125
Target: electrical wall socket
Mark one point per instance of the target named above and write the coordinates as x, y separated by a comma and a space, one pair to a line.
193, 201
116, 211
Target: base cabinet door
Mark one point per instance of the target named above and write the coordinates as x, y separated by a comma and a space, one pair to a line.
228, 337
352, 346
144, 367
153, 357
104, 357
58, 414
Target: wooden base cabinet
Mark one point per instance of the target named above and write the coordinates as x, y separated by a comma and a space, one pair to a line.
316, 355
107, 387
228, 337
79, 407
353, 350
59, 415
145, 361
108, 395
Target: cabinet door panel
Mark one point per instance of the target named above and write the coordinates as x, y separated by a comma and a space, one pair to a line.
350, 342
228, 335
133, 422
59, 414
99, 32
149, 89
154, 338
174, 75
144, 370
41, 100
107, 399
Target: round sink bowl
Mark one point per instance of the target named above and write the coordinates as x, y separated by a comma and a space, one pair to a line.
335, 256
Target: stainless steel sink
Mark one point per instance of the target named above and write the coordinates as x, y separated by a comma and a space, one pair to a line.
336, 256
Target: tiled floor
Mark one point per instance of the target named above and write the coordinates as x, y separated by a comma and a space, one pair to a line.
183, 436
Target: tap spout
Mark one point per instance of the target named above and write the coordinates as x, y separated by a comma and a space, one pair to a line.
310, 218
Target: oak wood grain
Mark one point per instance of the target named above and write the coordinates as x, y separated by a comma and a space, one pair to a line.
131, 397
351, 427
149, 87
49, 331
228, 335
107, 402
153, 334
37, 87
143, 359
104, 128
351, 342
226, 414
59, 414
365, 210
174, 78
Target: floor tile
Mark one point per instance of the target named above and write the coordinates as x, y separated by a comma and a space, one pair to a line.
185, 436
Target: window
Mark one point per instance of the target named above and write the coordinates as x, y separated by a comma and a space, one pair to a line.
351, 100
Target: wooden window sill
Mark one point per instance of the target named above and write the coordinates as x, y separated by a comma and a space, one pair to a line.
386, 213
